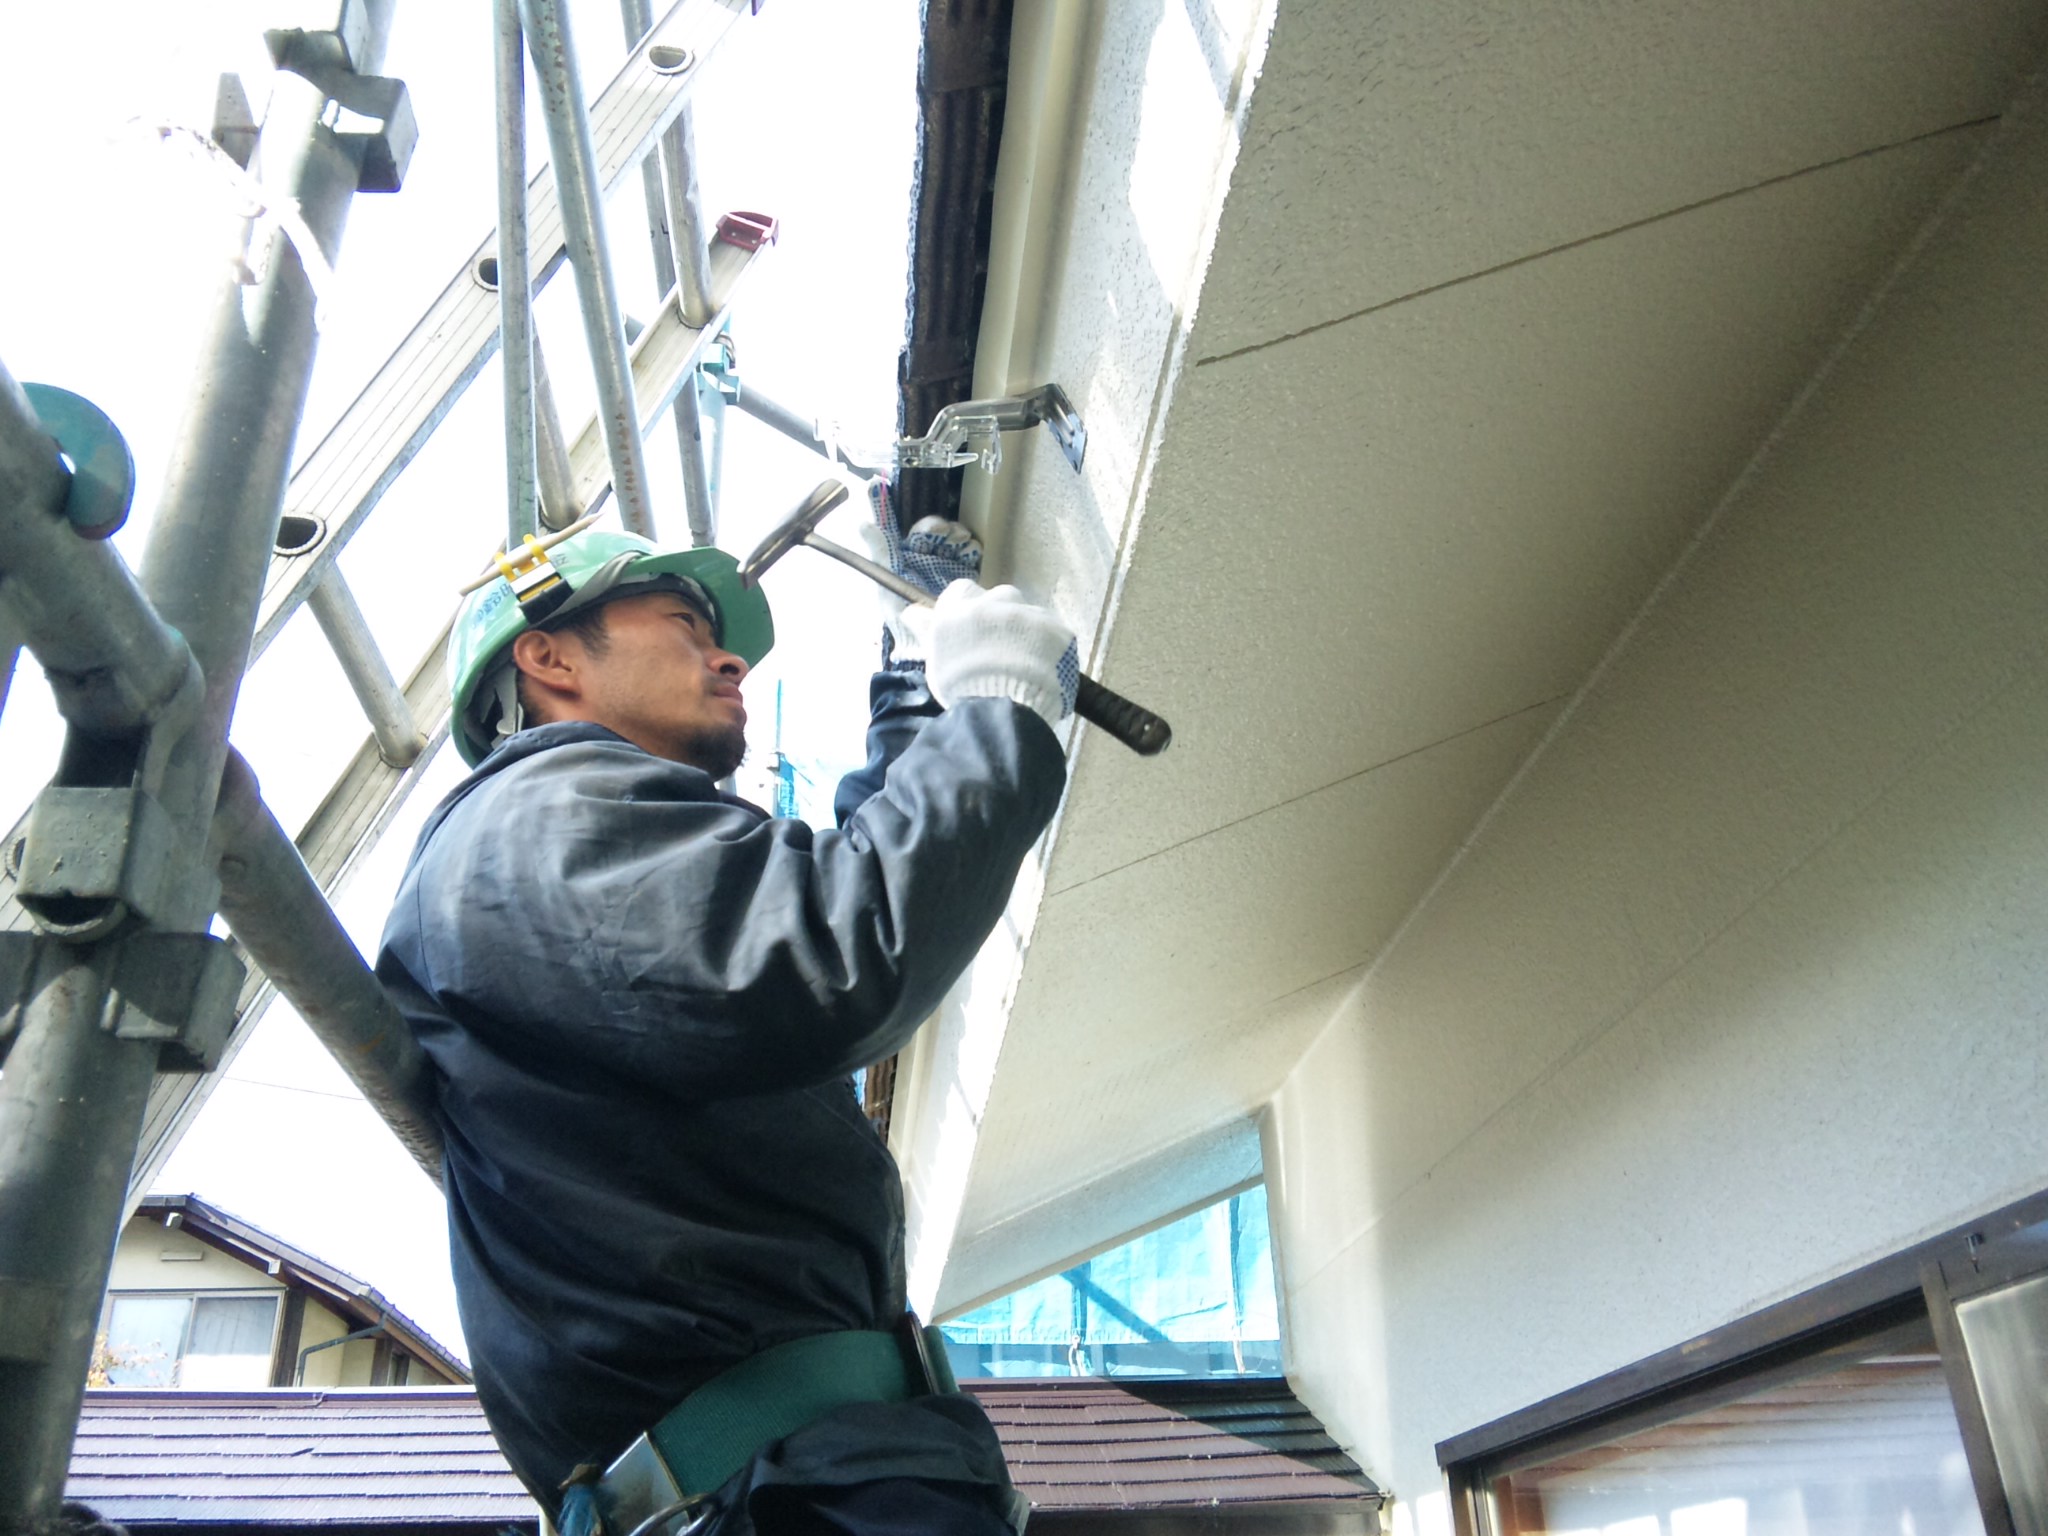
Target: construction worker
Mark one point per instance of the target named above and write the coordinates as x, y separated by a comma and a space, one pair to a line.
672, 1227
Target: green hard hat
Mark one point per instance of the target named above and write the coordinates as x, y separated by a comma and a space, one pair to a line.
595, 566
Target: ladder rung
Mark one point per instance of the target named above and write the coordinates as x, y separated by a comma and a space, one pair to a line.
345, 476
348, 634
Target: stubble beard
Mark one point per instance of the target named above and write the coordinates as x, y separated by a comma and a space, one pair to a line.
718, 750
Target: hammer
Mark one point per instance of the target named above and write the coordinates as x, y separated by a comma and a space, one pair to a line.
1132, 724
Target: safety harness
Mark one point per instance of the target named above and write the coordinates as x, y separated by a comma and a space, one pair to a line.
667, 1473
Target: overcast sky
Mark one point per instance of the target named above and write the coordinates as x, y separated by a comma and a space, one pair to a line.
807, 112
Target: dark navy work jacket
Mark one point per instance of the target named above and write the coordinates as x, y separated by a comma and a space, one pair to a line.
643, 1000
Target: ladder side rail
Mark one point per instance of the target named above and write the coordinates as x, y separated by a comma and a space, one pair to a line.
579, 192
72, 1098
342, 479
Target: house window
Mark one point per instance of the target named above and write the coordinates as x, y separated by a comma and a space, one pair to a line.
1192, 1298
1863, 1440
1909, 1398
205, 1340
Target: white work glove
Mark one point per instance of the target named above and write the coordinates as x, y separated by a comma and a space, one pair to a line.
993, 645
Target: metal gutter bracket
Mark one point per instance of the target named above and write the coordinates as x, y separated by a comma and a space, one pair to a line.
969, 431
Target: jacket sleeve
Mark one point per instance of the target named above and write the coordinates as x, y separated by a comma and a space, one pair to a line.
601, 913
899, 706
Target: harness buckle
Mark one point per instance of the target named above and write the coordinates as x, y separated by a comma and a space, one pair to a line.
639, 1496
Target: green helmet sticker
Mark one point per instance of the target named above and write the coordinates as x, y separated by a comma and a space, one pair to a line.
490, 618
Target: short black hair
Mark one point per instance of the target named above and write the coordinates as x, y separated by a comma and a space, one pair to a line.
587, 625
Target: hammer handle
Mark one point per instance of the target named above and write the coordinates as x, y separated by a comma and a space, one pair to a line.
1130, 723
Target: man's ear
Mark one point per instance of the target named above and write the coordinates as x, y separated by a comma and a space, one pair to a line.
548, 659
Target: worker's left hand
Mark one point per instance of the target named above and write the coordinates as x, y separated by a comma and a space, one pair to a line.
933, 555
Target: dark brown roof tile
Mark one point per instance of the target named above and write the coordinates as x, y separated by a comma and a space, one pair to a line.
419, 1456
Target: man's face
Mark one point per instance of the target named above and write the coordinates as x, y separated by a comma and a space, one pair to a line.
662, 682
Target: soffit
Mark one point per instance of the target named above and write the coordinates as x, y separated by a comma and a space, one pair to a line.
1403, 144
1496, 315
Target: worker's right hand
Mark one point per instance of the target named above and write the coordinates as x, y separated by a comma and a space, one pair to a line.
993, 644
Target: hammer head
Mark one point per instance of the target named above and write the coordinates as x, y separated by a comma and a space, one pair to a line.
792, 530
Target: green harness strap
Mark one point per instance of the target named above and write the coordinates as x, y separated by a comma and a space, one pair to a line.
709, 1435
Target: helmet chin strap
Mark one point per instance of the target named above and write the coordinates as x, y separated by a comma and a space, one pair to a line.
509, 717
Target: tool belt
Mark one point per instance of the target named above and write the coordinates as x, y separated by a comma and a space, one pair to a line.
714, 1431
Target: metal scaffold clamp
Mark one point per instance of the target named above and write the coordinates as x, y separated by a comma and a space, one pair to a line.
374, 117
102, 470
178, 989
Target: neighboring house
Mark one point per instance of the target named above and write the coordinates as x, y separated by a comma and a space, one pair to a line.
1151, 1459
203, 1301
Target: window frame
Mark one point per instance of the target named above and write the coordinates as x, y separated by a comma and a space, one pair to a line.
1851, 1313
1987, 1265
228, 1293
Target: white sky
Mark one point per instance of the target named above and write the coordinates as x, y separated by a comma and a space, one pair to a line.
807, 112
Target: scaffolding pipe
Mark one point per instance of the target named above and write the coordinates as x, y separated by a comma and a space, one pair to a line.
699, 503
10, 651
515, 280
399, 739
72, 1098
582, 201
687, 237
112, 663
675, 211
789, 424
682, 263
275, 909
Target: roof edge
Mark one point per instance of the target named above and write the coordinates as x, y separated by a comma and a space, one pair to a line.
238, 1237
